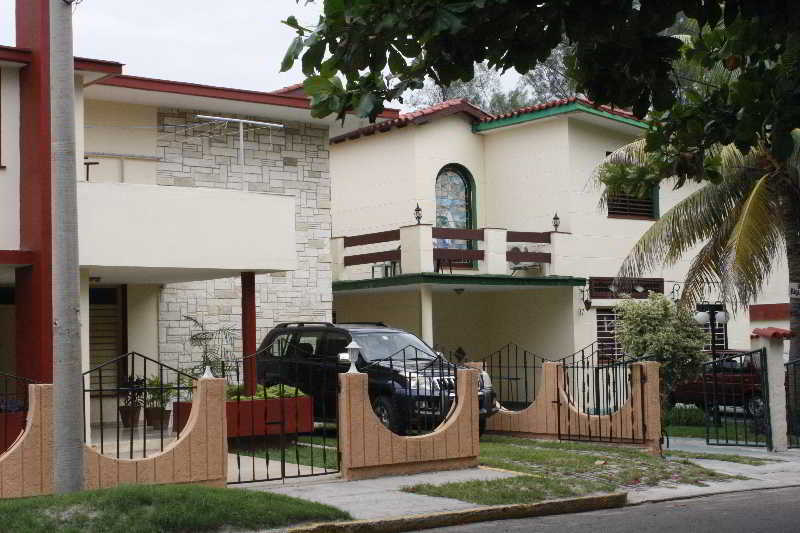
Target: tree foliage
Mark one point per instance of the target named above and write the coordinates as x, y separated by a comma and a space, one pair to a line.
658, 330
484, 90
363, 53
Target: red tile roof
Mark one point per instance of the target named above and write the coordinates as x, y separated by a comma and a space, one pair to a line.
296, 88
559, 103
421, 116
771, 333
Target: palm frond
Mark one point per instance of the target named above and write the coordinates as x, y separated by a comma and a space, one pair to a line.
755, 242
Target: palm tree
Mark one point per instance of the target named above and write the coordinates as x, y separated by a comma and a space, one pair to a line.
745, 224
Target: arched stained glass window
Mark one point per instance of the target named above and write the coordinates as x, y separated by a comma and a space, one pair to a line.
453, 199
453, 203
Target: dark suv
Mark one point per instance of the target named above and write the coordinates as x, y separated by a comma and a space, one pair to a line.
411, 387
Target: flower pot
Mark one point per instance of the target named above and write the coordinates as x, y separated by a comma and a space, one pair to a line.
129, 415
156, 417
259, 417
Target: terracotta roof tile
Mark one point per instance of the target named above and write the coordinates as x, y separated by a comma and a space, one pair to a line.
559, 103
771, 333
419, 116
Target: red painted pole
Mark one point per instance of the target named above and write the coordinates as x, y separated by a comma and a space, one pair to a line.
249, 330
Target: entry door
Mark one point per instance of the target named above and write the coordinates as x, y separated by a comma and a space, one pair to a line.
106, 334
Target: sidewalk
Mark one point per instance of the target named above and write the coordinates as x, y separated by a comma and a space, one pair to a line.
767, 476
383, 497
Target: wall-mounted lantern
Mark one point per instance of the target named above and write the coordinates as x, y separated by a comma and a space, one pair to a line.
418, 213
556, 222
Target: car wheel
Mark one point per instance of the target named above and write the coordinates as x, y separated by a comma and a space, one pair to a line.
754, 407
387, 413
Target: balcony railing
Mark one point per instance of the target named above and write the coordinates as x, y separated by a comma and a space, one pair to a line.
415, 249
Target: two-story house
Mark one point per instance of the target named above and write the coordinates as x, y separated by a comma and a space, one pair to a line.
509, 244
184, 210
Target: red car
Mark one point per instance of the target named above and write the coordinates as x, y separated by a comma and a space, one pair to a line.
736, 382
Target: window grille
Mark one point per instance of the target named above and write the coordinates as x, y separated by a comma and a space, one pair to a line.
607, 345
627, 206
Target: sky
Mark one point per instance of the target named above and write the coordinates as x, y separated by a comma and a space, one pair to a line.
233, 43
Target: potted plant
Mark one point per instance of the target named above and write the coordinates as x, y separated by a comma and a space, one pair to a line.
157, 398
270, 411
132, 391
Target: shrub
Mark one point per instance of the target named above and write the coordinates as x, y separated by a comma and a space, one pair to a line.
236, 392
685, 416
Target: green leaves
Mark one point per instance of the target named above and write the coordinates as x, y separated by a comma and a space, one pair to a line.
292, 53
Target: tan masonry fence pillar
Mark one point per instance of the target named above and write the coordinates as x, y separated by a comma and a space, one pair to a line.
371, 450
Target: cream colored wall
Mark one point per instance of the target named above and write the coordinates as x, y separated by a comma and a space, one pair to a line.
441, 142
143, 319
396, 309
171, 228
462, 321
126, 134
378, 180
372, 183
8, 335
526, 167
10, 158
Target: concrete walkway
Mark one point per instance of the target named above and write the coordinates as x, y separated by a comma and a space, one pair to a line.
382, 497
785, 473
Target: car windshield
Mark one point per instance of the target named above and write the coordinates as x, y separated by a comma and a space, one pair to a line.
382, 344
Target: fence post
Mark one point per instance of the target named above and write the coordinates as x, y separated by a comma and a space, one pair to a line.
651, 409
416, 249
494, 252
772, 339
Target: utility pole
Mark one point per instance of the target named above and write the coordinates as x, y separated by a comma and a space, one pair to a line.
68, 420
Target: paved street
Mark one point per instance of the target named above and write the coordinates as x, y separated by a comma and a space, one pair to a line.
774, 511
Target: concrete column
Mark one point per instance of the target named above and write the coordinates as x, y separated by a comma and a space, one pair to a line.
776, 375
558, 242
249, 341
426, 313
494, 247
339, 272
416, 248
85, 352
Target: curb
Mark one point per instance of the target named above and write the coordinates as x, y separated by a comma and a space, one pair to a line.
710, 494
469, 516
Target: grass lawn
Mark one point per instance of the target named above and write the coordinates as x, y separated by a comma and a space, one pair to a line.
741, 459
716, 432
302, 454
160, 508
563, 469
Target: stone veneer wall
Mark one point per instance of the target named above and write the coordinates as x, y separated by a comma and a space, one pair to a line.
292, 161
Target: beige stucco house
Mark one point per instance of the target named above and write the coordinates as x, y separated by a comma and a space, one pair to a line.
486, 266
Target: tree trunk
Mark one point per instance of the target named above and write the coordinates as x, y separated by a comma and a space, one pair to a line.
791, 220
67, 378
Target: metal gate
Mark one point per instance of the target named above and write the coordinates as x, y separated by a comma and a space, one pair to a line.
793, 403
736, 399
515, 374
283, 423
597, 386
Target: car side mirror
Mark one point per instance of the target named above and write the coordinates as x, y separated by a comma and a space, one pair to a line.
344, 356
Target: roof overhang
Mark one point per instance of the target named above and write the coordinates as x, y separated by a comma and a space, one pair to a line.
441, 282
181, 95
576, 108
11, 56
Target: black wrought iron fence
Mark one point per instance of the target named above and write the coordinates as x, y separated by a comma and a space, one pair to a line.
599, 389
129, 402
516, 375
736, 400
793, 402
412, 391
282, 413
13, 408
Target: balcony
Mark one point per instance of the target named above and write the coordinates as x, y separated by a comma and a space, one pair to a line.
156, 234
423, 249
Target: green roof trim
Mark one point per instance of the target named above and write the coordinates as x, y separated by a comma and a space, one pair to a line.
551, 111
458, 279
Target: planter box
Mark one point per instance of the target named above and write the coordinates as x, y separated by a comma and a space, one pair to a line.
258, 417
11, 425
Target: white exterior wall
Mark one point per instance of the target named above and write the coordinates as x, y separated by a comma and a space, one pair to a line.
122, 139
527, 168
10, 158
